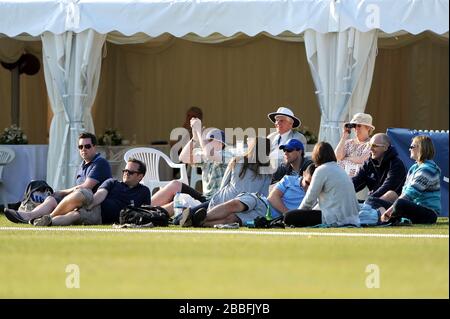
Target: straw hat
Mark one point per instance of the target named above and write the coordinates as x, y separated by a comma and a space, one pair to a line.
363, 118
285, 112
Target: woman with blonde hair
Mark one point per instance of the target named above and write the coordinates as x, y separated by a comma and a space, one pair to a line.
352, 153
420, 200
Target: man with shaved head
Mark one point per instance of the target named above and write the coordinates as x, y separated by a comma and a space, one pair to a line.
382, 172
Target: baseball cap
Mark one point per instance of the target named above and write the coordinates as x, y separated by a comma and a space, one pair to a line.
292, 144
217, 135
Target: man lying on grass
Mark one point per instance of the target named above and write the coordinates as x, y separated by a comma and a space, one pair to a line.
286, 195
105, 205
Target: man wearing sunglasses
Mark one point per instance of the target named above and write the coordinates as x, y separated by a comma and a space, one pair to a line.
295, 161
93, 171
105, 205
384, 171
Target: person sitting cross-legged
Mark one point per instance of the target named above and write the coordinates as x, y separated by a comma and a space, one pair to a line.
246, 207
332, 188
105, 205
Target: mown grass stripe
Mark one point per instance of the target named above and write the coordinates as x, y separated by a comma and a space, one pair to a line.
217, 231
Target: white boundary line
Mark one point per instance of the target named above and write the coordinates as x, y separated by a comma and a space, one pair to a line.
217, 231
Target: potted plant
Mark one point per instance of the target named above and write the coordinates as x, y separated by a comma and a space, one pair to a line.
13, 135
110, 138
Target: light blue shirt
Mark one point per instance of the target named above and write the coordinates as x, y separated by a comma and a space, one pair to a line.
293, 193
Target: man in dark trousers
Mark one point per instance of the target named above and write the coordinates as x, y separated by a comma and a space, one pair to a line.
384, 171
93, 171
105, 205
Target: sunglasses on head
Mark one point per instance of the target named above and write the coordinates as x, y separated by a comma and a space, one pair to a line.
129, 172
86, 146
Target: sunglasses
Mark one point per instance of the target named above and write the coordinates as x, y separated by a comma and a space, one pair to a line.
287, 150
86, 146
307, 182
129, 172
376, 145
412, 146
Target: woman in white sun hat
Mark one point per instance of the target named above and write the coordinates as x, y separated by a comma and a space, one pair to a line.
284, 120
352, 153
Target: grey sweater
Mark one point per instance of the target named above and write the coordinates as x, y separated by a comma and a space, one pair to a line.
333, 188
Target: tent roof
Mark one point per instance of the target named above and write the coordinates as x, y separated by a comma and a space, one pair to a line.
227, 17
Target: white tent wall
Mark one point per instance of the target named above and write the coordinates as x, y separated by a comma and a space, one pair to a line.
409, 87
404, 93
72, 69
201, 17
410, 83
236, 83
35, 112
342, 66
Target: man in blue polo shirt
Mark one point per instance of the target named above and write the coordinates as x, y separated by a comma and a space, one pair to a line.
105, 205
93, 171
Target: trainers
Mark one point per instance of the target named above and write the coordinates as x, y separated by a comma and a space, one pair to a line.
227, 226
186, 219
45, 220
14, 216
198, 217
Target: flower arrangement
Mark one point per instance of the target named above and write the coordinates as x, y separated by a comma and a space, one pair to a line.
111, 137
13, 135
310, 137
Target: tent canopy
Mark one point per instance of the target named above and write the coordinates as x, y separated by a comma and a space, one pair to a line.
227, 17
340, 40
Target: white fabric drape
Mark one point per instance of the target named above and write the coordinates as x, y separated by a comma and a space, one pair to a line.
342, 67
227, 17
72, 70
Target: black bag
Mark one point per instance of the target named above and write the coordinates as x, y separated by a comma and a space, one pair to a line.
262, 222
145, 214
35, 193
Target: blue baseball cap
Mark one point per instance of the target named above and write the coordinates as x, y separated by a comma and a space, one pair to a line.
217, 135
292, 144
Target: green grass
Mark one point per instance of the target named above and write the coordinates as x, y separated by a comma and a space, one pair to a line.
191, 265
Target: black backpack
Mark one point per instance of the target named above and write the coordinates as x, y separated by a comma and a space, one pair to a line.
35, 193
144, 214
262, 222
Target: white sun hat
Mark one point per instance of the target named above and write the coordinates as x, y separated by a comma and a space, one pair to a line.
285, 112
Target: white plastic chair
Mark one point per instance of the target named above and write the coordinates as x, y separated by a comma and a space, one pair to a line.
7, 155
151, 158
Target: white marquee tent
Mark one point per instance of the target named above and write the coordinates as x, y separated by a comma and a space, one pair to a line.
340, 39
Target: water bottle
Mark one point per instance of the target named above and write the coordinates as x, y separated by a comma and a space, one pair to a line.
177, 204
250, 223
